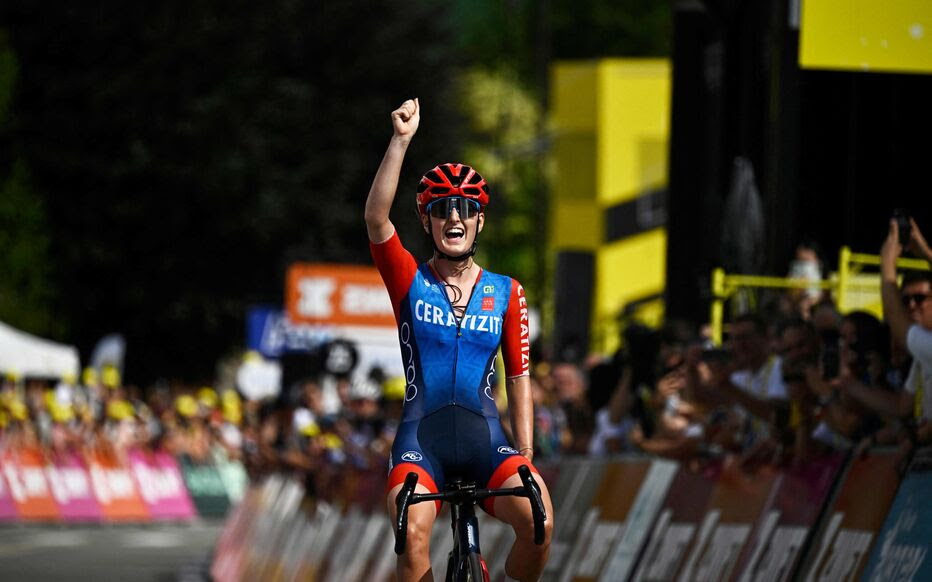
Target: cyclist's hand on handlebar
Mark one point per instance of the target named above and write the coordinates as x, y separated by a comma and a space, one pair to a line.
406, 118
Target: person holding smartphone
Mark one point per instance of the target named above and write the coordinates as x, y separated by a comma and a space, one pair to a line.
908, 311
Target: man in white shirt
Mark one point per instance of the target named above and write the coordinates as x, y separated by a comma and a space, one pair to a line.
908, 312
753, 380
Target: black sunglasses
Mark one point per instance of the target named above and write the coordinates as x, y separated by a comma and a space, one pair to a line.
908, 298
443, 207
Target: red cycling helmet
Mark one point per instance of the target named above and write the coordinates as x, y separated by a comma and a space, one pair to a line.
451, 180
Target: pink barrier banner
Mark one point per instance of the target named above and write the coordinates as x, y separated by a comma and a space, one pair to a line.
24, 470
116, 490
71, 487
161, 485
7, 507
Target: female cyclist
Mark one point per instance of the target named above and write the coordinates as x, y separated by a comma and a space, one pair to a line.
452, 317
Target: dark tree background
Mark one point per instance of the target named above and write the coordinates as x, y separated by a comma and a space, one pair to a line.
187, 152
161, 164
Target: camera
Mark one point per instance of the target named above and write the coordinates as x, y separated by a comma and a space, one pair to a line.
903, 225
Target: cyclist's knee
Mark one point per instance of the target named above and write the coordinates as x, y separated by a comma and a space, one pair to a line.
418, 536
524, 529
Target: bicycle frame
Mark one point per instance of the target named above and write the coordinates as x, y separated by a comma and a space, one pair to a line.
465, 527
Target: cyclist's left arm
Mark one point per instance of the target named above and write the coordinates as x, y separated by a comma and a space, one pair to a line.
521, 412
516, 348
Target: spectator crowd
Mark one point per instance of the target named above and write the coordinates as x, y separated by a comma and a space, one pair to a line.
794, 379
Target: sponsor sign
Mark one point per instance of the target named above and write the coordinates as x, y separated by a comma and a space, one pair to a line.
234, 477
641, 518
864, 35
271, 333
902, 551
677, 523
853, 518
337, 295
29, 488
206, 487
734, 507
116, 490
779, 539
617, 522
161, 485
71, 486
572, 493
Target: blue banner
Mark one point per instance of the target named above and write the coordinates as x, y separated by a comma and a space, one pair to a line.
271, 333
902, 550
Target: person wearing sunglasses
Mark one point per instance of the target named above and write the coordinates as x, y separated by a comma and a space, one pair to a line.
452, 317
908, 312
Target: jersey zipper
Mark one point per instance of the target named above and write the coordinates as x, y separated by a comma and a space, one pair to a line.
459, 323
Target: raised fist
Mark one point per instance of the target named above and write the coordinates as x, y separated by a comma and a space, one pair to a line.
406, 118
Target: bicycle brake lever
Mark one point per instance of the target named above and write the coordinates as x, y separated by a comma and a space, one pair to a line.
402, 500
538, 511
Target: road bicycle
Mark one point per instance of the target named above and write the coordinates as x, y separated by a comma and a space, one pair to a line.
465, 563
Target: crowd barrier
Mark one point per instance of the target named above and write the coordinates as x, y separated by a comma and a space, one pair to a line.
632, 518
141, 486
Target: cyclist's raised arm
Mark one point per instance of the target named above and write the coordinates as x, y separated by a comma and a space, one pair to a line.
405, 120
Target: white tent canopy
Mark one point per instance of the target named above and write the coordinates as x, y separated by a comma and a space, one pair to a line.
28, 355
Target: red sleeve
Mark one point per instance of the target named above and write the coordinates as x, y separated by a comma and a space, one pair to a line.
397, 267
516, 342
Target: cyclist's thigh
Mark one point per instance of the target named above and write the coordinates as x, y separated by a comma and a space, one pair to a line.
408, 456
421, 515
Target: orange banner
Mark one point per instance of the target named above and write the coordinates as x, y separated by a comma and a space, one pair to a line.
116, 490
327, 294
25, 473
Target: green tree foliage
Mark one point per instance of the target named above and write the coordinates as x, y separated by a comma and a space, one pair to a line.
26, 292
182, 154
189, 151
607, 28
504, 122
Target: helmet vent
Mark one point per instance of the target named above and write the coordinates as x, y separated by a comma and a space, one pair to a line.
454, 180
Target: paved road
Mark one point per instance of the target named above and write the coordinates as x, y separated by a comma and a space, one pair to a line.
157, 553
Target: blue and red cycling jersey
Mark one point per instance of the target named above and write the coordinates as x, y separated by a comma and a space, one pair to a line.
450, 361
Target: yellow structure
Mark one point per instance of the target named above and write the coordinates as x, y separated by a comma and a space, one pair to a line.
852, 288
867, 35
611, 122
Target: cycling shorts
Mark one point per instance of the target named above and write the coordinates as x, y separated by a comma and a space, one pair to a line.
454, 442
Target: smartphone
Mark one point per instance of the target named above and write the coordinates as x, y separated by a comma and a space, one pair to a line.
901, 215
